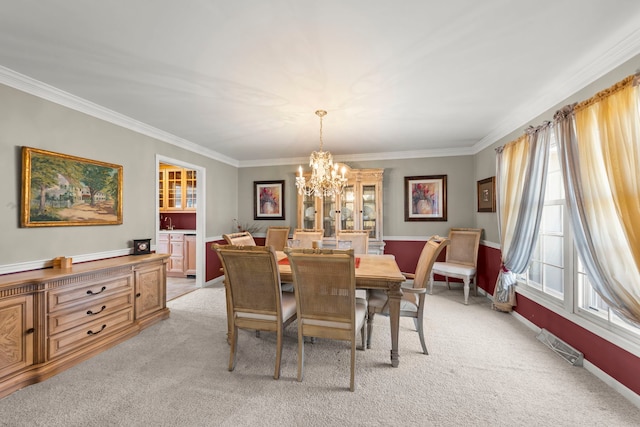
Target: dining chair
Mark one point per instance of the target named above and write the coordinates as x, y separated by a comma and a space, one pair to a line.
277, 236
325, 284
242, 238
413, 291
307, 236
461, 259
257, 302
359, 240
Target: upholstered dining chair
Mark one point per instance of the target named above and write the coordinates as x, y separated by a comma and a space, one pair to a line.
307, 236
257, 302
325, 284
243, 238
413, 291
461, 260
277, 236
359, 240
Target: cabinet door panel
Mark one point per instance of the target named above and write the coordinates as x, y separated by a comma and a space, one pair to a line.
16, 334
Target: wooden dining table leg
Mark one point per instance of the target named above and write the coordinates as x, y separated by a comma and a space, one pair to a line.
394, 294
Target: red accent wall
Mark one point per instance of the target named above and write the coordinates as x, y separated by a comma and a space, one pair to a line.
611, 359
179, 220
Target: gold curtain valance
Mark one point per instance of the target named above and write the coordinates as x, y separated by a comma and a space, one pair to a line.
629, 80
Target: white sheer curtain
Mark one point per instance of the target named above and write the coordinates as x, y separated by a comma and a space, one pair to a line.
521, 173
599, 142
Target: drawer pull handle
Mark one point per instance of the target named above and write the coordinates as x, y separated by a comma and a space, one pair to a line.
96, 333
91, 313
30, 331
90, 292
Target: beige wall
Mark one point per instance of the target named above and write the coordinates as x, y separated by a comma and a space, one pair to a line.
26, 120
460, 188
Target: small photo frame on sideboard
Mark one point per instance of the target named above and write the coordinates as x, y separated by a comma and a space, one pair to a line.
487, 195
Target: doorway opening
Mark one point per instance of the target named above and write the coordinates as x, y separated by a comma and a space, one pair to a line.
172, 219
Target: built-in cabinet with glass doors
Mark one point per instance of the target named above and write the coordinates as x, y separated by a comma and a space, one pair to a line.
358, 207
177, 189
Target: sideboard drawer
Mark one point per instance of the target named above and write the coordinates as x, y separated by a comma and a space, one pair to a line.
62, 320
63, 298
89, 332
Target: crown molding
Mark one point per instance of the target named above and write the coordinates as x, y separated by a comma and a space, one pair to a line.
42, 90
603, 59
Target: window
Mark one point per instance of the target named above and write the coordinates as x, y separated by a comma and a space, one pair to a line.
556, 274
546, 272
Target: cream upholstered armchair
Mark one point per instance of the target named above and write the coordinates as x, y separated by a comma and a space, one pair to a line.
413, 291
277, 237
325, 285
359, 240
461, 260
306, 237
256, 301
243, 238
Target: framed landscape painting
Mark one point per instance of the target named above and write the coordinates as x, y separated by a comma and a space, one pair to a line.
64, 190
425, 198
268, 200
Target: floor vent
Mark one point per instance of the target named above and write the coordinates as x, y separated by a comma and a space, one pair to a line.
561, 348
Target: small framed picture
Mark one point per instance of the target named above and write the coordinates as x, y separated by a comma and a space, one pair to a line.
425, 198
141, 246
268, 200
487, 195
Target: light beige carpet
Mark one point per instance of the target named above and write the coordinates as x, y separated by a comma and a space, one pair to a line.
484, 368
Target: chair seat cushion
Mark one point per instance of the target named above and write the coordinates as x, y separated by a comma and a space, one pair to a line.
378, 299
453, 270
288, 305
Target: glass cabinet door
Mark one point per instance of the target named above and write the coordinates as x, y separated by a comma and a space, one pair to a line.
174, 189
308, 212
190, 184
369, 210
329, 216
347, 208
161, 201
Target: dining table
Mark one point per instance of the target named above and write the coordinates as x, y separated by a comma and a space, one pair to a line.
372, 272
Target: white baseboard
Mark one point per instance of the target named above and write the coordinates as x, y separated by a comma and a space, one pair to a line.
45, 263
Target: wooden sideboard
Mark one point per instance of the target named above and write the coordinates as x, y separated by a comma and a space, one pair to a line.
52, 319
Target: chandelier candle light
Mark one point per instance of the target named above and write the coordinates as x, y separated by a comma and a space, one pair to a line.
325, 179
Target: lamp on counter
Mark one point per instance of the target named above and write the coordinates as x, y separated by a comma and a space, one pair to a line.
325, 179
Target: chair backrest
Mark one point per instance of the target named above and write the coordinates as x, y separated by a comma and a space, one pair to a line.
277, 237
243, 238
464, 246
307, 236
428, 256
359, 240
325, 284
253, 281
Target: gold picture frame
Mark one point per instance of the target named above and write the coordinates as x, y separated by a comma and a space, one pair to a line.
487, 195
64, 190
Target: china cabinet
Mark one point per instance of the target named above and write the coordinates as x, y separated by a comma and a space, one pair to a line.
176, 189
357, 207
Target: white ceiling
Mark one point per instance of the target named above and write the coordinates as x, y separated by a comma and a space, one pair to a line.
240, 80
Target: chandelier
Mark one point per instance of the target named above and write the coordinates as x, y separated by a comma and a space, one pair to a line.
325, 179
